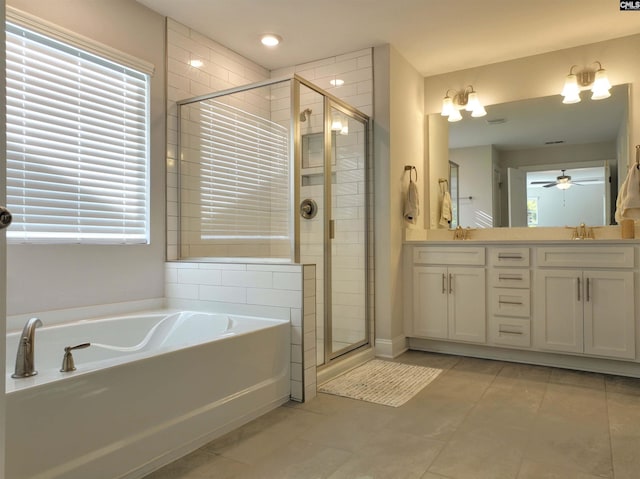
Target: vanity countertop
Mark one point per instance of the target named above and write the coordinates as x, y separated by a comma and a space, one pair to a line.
602, 235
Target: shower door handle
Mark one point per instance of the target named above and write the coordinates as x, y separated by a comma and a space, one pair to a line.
5, 217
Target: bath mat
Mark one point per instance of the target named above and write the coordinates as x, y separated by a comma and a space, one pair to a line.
381, 382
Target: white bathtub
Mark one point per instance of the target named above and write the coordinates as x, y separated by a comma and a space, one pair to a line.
178, 380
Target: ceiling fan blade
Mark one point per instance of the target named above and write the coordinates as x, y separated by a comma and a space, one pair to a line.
550, 185
541, 182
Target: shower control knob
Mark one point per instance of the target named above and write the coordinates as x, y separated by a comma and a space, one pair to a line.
5, 217
308, 209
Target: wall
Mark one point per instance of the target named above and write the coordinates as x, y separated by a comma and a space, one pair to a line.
222, 69
543, 75
46, 277
275, 291
475, 183
399, 103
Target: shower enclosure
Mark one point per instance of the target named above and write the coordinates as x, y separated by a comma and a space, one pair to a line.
277, 171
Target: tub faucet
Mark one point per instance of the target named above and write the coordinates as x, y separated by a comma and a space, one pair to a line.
25, 366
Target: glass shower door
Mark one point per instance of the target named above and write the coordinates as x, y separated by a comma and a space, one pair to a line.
347, 327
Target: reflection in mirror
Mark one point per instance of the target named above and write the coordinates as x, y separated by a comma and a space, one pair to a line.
455, 195
523, 142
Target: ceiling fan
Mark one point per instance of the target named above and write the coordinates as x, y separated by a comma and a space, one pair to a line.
562, 182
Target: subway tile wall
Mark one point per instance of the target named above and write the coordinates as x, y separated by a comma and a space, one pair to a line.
273, 291
349, 191
225, 69
221, 69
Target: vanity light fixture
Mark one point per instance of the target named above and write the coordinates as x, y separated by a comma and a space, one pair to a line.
466, 99
336, 82
575, 82
196, 63
270, 39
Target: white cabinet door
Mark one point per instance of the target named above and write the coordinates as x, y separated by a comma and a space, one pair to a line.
558, 324
467, 311
609, 320
430, 292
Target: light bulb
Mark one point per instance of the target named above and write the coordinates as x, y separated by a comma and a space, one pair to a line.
472, 101
270, 39
601, 86
336, 124
563, 185
455, 115
478, 111
447, 106
571, 90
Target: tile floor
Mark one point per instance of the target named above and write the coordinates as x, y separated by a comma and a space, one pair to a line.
479, 419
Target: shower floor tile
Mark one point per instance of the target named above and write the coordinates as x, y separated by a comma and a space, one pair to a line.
478, 419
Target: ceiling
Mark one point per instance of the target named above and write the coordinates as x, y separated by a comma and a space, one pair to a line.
435, 36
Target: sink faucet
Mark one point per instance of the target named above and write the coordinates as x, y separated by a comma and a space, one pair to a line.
24, 358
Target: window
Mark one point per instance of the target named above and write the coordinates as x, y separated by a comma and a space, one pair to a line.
244, 175
77, 143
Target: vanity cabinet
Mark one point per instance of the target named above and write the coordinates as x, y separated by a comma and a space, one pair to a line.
584, 311
570, 304
509, 297
449, 299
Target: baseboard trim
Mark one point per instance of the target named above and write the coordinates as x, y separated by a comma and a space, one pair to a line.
391, 348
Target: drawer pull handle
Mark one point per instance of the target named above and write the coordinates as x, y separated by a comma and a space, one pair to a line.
502, 331
510, 302
509, 256
444, 283
588, 291
510, 277
450, 283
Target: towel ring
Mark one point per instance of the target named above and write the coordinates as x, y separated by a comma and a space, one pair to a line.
411, 169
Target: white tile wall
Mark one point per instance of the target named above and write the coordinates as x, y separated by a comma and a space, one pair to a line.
278, 291
222, 69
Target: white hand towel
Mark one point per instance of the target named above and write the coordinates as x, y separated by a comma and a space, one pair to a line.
411, 206
445, 212
628, 202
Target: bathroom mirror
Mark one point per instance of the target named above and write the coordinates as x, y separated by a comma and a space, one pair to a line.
533, 140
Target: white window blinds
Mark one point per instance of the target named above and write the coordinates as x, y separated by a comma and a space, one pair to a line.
77, 144
244, 175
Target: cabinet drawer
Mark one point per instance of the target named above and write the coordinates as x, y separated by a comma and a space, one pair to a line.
587, 256
449, 255
510, 278
509, 256
511, 302
510, 331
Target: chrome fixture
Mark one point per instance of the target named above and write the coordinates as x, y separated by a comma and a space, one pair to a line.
305, 115
582, 232
5, 217
308, 209
466, 99
67, 361
575, 82
25, 366
461, 233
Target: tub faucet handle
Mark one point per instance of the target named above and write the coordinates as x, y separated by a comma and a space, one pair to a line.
67, 361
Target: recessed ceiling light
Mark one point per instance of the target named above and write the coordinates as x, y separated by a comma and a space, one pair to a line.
195, 63
270, 39
336, 82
